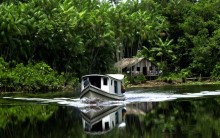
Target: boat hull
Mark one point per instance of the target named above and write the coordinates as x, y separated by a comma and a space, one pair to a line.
92, 92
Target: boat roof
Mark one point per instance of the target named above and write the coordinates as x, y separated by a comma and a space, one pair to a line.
117, 76
114, 76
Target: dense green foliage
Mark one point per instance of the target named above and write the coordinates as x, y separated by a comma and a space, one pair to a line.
38, 77
87, 36
75, 36
215, 73
137, 79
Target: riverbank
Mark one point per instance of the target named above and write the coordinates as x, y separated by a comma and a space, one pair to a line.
159, 83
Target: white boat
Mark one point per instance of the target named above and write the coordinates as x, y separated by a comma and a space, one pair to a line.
103, 87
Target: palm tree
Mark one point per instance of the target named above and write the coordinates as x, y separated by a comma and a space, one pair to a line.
163, 49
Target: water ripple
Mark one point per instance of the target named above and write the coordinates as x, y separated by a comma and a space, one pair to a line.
131, 97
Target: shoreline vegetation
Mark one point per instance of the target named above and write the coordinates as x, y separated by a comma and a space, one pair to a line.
41, 78
160, 83
140, 81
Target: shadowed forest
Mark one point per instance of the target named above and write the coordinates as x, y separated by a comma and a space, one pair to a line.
48, 44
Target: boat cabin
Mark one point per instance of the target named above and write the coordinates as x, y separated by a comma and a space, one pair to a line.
111, 83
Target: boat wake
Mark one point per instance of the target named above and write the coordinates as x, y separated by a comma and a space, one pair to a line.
131, 97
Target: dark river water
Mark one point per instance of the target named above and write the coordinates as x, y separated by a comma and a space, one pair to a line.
177, 111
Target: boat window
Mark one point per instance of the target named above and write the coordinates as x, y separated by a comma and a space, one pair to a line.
116, 86
86, 83
111, 82
97, 127
113, 124
116, 118
105, 81
95, 81
107, 126
87, 127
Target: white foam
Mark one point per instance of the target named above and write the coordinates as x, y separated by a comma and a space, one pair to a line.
131, 97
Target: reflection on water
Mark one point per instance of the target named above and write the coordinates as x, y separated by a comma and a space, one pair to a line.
102, 120
144, 113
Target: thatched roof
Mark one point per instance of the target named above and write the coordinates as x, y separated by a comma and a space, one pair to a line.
127, 62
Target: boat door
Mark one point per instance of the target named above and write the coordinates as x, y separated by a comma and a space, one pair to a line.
116, 86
